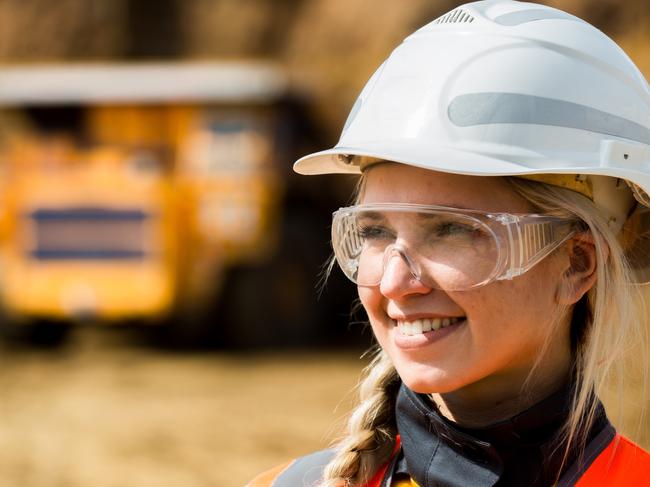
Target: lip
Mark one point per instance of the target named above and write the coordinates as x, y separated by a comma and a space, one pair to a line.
421, 317
406, 342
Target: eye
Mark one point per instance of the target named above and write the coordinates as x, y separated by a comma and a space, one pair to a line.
374, 232
458, 231
452, 228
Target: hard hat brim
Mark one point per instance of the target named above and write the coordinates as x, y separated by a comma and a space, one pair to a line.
335, 161
339, 160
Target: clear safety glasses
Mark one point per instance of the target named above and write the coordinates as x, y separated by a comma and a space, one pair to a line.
444, 248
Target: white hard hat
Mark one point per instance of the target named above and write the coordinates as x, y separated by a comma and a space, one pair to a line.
501, 87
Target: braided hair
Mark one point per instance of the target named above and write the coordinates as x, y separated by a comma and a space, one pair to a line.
371, 429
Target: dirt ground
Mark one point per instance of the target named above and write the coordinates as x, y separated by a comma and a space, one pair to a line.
104, 412
107, 411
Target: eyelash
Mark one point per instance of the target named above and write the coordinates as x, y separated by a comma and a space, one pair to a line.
371, 232
374, 232
446, 229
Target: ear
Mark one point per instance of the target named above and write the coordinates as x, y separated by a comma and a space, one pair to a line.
580, 273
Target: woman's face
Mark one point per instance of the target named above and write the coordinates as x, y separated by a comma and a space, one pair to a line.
500, 328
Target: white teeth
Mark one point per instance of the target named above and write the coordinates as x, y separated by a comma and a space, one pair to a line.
417, 327
426, 325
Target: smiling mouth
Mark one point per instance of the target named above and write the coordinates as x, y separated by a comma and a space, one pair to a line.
417, 327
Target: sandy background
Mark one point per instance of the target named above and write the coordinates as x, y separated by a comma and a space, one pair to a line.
106, 411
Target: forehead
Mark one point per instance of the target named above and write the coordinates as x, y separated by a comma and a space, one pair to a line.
399, 183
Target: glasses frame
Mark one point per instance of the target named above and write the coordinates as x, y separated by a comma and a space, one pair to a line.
523, 239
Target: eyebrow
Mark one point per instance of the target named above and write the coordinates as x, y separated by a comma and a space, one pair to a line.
454, 205
372, 215
378, 216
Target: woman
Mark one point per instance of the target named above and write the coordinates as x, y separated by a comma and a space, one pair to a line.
504, 152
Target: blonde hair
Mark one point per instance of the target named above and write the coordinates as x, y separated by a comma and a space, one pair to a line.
371, 428
608, 321
605, 322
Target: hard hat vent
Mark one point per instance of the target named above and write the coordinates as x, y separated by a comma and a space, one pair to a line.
456, 16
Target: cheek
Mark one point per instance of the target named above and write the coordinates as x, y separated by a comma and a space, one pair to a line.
502, 299
522, 308
373, 303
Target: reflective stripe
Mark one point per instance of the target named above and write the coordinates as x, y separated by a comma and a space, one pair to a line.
524, 16
305, 471
494, 108
265, 479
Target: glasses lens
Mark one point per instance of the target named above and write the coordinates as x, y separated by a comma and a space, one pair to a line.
444, 250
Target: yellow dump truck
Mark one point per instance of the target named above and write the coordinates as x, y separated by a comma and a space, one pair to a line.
128, 191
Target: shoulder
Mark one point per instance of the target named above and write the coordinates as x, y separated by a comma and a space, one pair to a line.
622, 463
302, 472
610, 460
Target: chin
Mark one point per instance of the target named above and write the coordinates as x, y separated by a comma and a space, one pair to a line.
425, 379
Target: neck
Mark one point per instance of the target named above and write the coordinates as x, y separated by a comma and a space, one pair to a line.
482, 404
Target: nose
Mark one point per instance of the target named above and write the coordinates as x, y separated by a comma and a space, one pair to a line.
401, 275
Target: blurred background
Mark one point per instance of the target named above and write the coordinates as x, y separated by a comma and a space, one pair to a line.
163, 317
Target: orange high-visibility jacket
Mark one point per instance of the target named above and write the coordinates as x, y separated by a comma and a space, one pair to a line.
620, 464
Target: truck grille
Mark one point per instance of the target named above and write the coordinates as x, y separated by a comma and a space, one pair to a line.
90, 234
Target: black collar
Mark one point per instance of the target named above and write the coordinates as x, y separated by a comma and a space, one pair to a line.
523, 450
